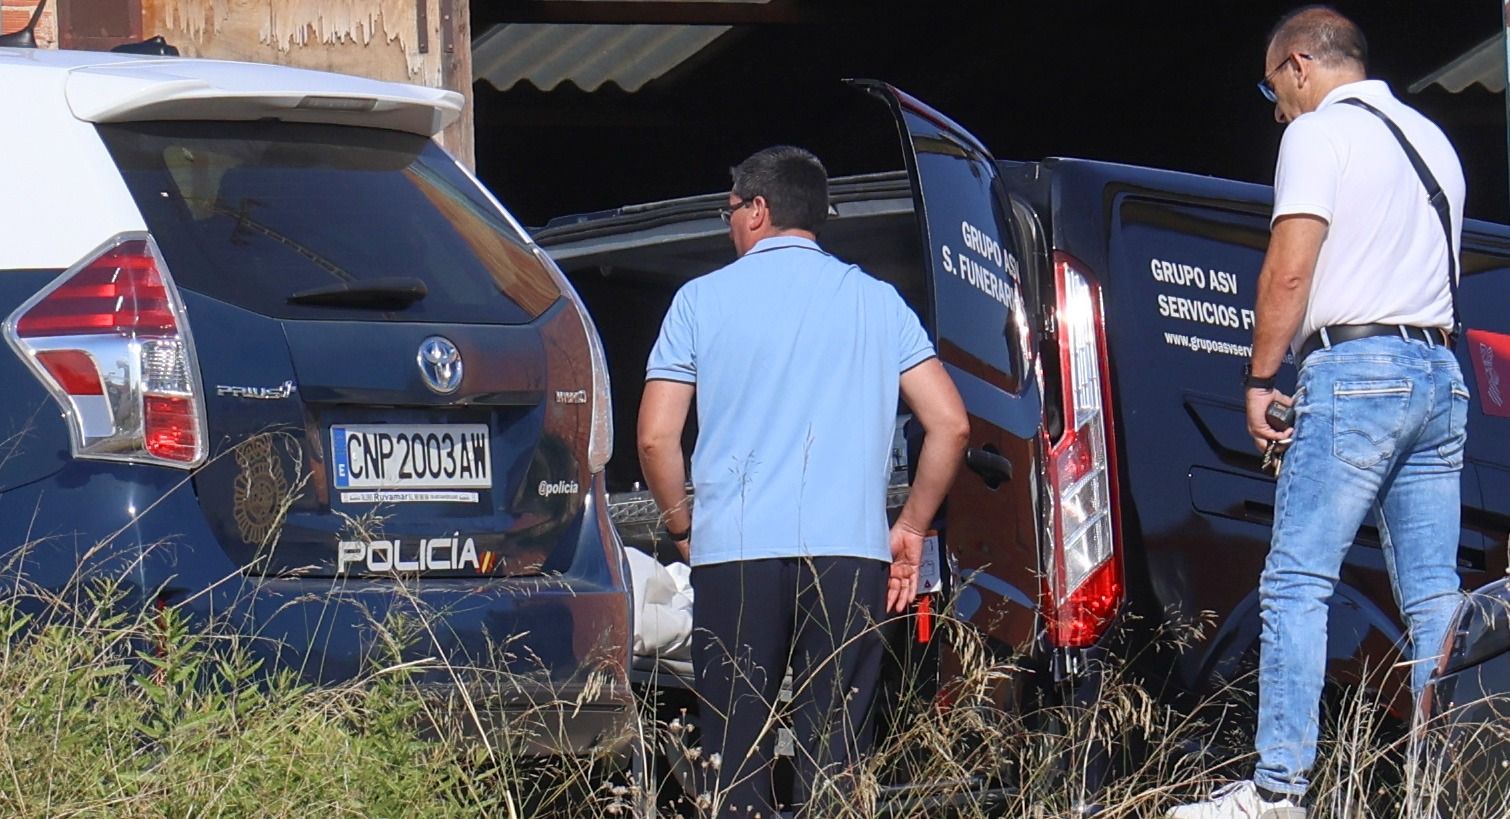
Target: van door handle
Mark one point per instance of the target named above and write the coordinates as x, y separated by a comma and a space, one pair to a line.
992, 466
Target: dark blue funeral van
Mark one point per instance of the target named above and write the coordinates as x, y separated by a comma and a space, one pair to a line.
1095, 318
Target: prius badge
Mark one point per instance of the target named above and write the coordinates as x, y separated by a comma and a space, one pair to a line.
283, 390
440, 364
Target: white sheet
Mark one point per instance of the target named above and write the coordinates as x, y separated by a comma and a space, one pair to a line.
663, 607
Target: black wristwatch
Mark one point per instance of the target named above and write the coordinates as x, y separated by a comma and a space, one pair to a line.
677, 537
1254, 382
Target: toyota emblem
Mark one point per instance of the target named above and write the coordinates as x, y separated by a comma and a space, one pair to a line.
440, 364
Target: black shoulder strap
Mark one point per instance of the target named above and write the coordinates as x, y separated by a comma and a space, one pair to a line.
1435, 196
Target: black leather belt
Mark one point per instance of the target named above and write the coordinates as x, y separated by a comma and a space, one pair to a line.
1338, 333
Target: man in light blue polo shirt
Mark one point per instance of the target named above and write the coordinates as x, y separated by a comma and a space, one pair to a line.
796, 360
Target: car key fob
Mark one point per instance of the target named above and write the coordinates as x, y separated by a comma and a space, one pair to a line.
1280, 416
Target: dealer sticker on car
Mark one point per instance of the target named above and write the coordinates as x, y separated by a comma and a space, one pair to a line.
410, 462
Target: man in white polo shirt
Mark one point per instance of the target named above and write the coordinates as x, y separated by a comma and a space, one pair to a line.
1359, 282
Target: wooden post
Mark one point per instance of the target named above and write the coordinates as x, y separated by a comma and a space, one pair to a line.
456, 74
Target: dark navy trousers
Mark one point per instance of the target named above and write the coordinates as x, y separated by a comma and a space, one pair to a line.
753, 618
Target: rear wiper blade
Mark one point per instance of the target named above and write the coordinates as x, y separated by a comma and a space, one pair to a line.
386, 293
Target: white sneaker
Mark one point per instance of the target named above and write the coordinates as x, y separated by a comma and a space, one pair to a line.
1240, 800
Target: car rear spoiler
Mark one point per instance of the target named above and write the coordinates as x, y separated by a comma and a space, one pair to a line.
189, 89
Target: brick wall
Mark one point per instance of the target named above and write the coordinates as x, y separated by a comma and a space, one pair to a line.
14, 15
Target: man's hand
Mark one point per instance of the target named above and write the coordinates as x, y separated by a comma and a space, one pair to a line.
1258, 421
685, 547
906, 557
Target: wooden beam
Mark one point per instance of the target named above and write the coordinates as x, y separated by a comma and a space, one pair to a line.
456, 74
663, 12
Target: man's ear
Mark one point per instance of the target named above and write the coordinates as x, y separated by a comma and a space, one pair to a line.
1302, 69
760, 213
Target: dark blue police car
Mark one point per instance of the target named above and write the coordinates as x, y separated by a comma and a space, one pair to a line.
277, 362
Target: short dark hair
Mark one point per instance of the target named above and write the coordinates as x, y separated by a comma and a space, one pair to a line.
793, 182
1322, 32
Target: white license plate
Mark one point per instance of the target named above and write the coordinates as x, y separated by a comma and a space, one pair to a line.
411, 456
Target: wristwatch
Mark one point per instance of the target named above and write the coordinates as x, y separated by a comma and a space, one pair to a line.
677, 537
1255, 382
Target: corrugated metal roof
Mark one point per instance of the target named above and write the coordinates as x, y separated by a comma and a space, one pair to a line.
548, 54
1483, 64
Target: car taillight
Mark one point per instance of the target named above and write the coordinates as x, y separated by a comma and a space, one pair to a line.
1083, 585
110, 341
600, 439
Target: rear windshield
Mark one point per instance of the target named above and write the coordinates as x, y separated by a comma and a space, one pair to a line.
253, 213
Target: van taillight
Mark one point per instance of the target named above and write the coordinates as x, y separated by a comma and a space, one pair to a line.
1083, 585
109, 340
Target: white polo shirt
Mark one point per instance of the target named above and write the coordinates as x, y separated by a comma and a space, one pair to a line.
1383, 259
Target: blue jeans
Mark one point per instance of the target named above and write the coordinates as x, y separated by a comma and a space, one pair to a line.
1379, 427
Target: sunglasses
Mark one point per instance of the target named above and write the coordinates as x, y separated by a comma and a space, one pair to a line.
727, 213
1266, 86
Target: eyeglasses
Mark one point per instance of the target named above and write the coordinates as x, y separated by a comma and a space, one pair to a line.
727, 213
1266, 87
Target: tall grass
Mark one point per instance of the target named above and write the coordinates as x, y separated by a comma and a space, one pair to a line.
1046, 761
109, 712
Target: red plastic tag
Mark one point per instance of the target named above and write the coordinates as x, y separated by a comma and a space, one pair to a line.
925, 618
1490, 354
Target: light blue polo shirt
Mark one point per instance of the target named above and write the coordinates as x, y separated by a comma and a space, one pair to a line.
796, 357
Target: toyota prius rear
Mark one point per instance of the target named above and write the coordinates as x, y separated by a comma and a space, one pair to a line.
283, 365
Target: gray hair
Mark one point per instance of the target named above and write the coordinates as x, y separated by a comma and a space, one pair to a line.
1323, 33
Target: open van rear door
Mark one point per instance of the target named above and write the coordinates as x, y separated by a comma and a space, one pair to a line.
976, 263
